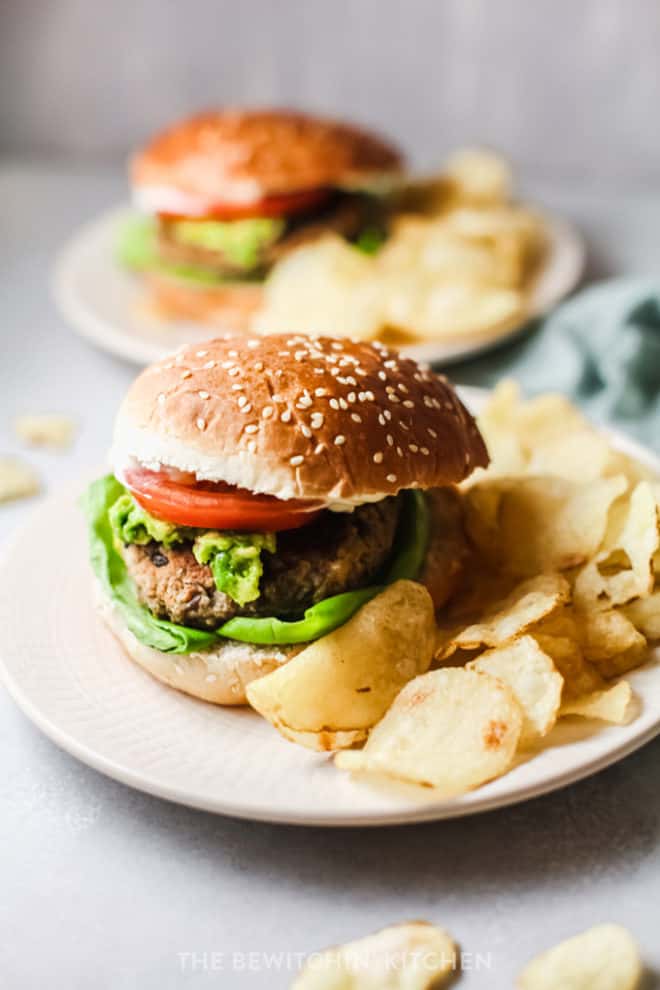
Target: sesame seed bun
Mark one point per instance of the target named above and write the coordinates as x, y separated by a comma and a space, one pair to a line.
299, 417
226, 307
241, 156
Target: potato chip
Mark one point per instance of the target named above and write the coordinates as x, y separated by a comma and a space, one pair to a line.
534, 680
410, 956
530, 525
602, 958
527, 604
610, 641
327, 286
579, 676
622, 569
479, 176
17, 479
451, 729
609, 705
45, 430
332, 692
645, 615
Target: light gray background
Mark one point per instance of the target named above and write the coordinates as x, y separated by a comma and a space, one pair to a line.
567, 87
101, 886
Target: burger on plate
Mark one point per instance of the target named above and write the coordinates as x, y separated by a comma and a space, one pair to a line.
262, 491
225, 194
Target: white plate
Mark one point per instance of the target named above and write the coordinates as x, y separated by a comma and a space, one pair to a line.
101, 300
68, 674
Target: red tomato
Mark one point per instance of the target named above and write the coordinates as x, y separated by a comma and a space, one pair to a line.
207, 505
272, 206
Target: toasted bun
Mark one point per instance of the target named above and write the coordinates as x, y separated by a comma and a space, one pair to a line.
219, 676
240, 156
225, 307
299, 417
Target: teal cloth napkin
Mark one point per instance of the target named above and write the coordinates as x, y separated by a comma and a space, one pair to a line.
601, 348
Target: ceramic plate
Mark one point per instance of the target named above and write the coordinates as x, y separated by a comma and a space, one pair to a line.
101, 300
69, 675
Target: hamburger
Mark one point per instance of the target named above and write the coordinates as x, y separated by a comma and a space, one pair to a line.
262, 491
225, 194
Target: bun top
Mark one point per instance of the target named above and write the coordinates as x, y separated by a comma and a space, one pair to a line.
240, 156
299, 417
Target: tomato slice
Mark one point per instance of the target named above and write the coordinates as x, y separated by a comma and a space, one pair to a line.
210, 505
272, 206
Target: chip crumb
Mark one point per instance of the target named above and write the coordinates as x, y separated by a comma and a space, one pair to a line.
17, 479
45, 430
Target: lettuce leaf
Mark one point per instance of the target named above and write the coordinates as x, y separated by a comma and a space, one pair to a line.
320, 619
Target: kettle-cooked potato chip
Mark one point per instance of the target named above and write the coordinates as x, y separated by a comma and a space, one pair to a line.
331, 693
534, 680
603, 958
411, 956
450, 729
644, 613
609, 705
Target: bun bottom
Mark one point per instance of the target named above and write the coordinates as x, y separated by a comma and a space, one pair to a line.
227, 307
219, 676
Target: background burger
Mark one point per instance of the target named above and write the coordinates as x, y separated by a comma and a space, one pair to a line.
263, 490
227, 193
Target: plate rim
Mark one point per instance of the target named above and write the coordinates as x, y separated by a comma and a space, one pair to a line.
113, 339
421, 813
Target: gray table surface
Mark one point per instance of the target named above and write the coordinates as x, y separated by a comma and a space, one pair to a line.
103, 886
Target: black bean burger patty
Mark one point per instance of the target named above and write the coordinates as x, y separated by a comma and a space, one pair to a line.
338, 552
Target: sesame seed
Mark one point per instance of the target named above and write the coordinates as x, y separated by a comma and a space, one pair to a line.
340, 440
390, 439
201, 424
356, 417
391, 478
320, 392
230, 353
304, 402
370, 395
343, 404
251, 428
413, 448
234, 371
252, 344
161, 398
251, 446
203, 353
319, 447
209, 365
378, 457
409, 404
427, 402
258, 366
334, 371
317, 420
334, 404
248, 408
299, 355
381, 419
399, 451
425, 451
336, 346
203, 395
432, 433
402, 388
351, 380
351, 396
242, 400
227, 364
285, 416
394, 398
404, 426
186, 374
305, 430
387, 414
296, 460
267, 412
237, 387
383, 376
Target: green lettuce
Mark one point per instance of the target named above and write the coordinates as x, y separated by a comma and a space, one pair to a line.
242, 242
320, 619
137, 249
235, 561
110, 570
